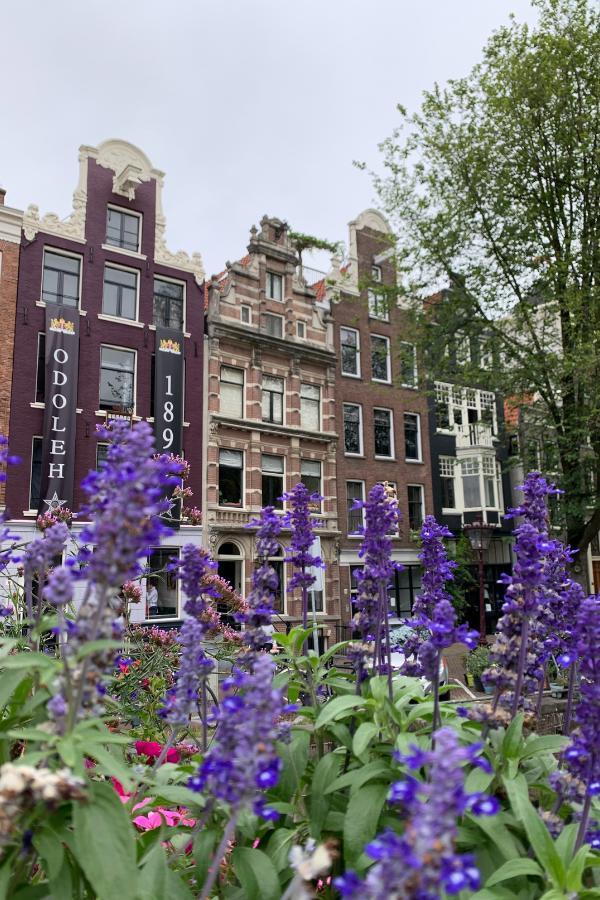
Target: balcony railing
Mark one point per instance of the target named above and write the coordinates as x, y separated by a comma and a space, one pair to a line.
310, 276
475, 434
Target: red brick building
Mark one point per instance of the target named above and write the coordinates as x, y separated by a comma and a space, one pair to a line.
381, 408
10, 244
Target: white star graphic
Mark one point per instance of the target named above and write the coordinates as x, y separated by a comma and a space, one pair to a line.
54, 502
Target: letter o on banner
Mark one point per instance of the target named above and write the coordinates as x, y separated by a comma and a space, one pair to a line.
60, 397
63, 357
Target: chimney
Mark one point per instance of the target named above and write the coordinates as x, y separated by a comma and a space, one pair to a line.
2, 196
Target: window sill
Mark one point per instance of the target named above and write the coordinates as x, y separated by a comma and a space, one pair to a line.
350, 375
133, 254
106, 414
38, 405
30, 513
410, 387
381, 381
120, 321
417, 462
150, 420
186, 334
355, 455
385, 458
42, 303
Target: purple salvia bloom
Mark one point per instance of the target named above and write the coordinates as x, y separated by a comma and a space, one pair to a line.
301, 521
124, 501
59, 588
422, 862
261, 598
242, 761
437, 568
39, 553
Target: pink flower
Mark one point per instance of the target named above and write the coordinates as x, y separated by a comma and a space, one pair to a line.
154, 819
152, 749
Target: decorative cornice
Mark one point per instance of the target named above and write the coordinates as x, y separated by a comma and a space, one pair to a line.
73, 227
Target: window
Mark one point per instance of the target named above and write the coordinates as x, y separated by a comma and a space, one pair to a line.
300, 330
277, 562
246, 314
101, 455
230, 566
350, 344
35, 482
382, 426
457, 407
310, 407
161, 584
355, 490
60, 283
119, 297
232, 392
168, 304
470, 482
122, 229
376, 273
117, 379
447, 469
442, 412
380, 358
273, 325
310, 476
412, 437
274, 286
415, 506
463, 349
272, 481
378, 308
352, 429
231, 468
408, 364
272, 399
40, 375
489, 481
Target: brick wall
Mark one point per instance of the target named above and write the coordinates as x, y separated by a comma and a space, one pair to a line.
9, 275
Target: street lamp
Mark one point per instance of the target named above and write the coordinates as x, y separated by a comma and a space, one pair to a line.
480, 535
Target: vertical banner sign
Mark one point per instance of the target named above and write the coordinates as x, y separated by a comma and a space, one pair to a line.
60, 416
168, 396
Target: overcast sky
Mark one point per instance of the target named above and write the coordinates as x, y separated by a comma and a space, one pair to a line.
249, 106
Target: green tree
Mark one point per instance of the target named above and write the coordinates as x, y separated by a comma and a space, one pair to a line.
493, 189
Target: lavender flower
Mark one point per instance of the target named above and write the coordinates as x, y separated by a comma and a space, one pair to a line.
300, 520
422, 862
242, 761
261, 598
124, 500
59, 588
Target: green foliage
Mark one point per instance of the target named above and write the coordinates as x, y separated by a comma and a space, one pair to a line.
478, 660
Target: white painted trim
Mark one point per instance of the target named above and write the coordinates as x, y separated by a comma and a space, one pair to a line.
112, 248
360, 431
409, 412
106, 318
357, 332
392, 457
106, 412
182, 284
60, 252
388, 359
121, 319
126, 212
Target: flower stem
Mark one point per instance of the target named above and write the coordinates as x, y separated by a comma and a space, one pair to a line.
521, 669
570, 696
221, 850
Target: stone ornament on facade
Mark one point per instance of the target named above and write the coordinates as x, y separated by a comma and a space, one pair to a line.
73, 227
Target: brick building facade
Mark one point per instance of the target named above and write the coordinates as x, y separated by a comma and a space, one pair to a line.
381, 411
271, 412
107, 272
10, 244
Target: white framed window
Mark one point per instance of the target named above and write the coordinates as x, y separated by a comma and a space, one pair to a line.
101, 455
463, 349
376, 273
123, 229
162, 587
273, 325
448, 481
353, 441
310, 407
231, 390
272, 480
350, 351
355, 490
471, 482
457, 408
412, 437
378, 306
408, 364
61, 277
380, 358
278, 563
35, 472
310, 476
246, 314
383, 432
300, 330
416, 506
273, 393
231, 477
274, 286
117, 379
120, 293
169, 303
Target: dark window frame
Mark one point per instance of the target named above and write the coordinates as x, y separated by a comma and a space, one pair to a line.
164, 317
122, 242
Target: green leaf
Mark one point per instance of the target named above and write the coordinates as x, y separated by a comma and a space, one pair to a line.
256, 873
30, 661
498, 835
324, 774
565, 842
33, 734
204, 845
546, 743
363, 737
157, 881
337, 707
332, 651
513, 869
278, 847
355, 778
104, 843
477, 780
513, 738
539, 837
98, 647
110, 763
9, 682
295, 759
362, 816
68, 751
576, 869
51, 851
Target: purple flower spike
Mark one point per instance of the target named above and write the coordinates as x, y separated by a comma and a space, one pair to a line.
301, 521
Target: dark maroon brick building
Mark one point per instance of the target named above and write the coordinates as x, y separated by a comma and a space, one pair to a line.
103, 279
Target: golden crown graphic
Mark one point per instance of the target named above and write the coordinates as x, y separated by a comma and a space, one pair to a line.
62, 325
169, 346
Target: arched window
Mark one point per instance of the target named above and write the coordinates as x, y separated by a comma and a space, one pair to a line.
277, 562
230, 565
